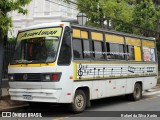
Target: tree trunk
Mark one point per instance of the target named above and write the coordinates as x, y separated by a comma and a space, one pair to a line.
1, 60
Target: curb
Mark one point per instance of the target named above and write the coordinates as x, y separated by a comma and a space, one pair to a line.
13, 108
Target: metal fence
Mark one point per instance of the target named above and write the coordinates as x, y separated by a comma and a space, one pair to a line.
8, 54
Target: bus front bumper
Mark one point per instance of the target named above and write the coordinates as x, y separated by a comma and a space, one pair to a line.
36, 95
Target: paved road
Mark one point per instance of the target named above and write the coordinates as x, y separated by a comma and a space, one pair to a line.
115, 106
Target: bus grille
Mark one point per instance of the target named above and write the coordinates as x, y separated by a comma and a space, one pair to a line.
27, 77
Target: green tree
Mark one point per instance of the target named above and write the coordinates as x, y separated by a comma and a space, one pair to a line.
140, 17
131, 16
119, 12
93, 11
7, 6
146, 15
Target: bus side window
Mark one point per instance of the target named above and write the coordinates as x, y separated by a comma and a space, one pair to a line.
148, 50
133, 49
98, 50
77, 48
86, 49
149, 54
131, 52
115, 51
65, 52
81, 45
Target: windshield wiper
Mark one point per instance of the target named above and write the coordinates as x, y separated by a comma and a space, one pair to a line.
23, 61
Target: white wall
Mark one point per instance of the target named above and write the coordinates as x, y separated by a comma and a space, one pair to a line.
41, 11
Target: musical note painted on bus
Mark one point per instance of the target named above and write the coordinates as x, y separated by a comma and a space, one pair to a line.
131, 69
150, 69
121, 70
80, 72
103, 71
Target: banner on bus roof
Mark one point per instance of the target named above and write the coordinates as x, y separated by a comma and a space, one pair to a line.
56, 32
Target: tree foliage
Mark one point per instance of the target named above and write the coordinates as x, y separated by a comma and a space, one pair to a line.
7, 6
132, 16
147, 16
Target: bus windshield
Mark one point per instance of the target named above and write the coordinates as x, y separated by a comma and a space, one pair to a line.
37, 46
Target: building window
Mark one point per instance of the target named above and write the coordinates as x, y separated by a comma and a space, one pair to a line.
47, 8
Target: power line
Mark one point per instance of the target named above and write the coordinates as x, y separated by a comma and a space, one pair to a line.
61, 4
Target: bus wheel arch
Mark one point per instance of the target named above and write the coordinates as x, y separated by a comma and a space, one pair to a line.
81, 97
137, 92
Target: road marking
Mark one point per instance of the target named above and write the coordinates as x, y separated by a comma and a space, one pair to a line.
151, 98
136, 102
151, 90
61, 118
152, 93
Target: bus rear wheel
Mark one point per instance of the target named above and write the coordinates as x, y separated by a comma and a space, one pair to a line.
137, 93
79, 102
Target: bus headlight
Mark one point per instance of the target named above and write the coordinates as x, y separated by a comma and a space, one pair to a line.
11, 77
47, 78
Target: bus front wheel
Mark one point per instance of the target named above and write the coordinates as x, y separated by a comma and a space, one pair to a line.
79, 102
137, 93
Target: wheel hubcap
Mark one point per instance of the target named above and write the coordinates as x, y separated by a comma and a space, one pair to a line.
79, 101
137, 93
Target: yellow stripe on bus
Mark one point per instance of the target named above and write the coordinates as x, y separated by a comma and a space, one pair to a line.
97, 36
31, 65
75, 71
133, 41
148, 43
137, 53
115, 77
76, 33
84, 34
114, 38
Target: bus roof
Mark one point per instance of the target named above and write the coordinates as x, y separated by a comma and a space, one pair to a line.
113, 32
42, 25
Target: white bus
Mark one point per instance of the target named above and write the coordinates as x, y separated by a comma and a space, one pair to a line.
66, 63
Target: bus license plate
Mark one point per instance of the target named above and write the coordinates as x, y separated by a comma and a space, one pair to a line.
27, 97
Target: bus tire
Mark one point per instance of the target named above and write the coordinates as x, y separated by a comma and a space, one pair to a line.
137, 93
79, 102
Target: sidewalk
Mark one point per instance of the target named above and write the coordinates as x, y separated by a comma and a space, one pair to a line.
6, 104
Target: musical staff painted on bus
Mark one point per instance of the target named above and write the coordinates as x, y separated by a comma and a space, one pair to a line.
101, 71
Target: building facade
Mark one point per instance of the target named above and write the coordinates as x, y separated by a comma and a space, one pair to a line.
43, 11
